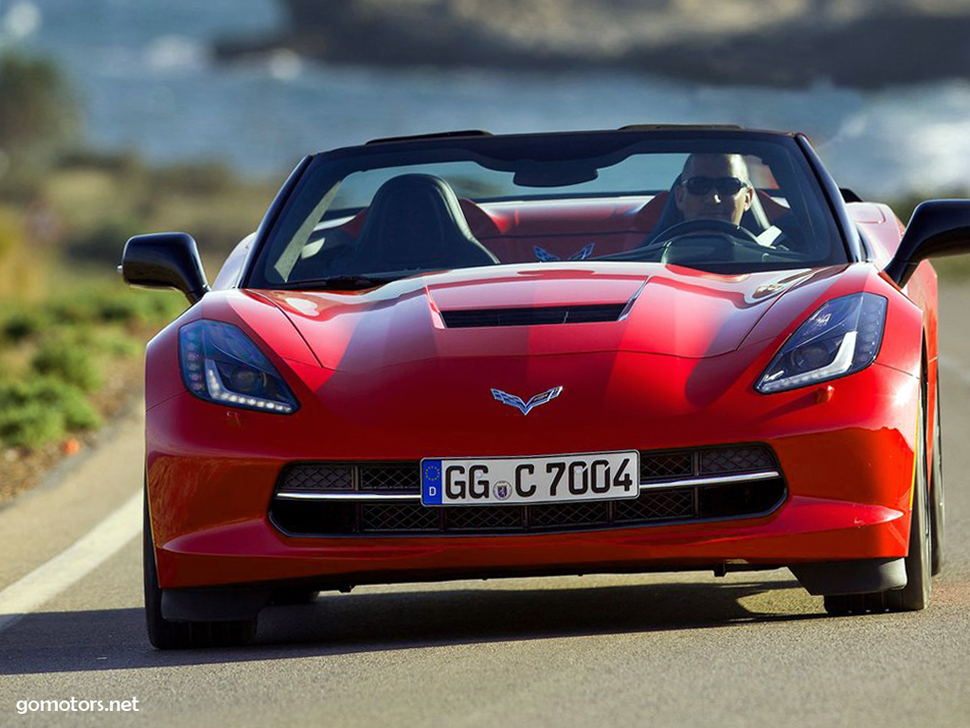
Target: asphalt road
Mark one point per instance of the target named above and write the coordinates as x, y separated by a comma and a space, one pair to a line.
678, 650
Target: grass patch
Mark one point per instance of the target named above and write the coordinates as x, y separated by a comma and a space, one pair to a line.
56, 356
41, 409
69, 363
18, 326
91, 299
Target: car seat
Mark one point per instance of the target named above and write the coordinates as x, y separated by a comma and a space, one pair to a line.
416, 222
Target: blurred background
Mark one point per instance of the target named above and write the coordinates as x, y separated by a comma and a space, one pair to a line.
119, 117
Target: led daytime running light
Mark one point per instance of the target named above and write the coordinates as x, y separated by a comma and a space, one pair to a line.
839, 365
219, 392
205, 346
842, 337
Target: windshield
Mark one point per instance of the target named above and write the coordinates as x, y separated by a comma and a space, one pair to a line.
733, 205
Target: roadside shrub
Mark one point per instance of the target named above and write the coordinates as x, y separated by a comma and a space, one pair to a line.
112, 302
39, 410
22, 325
143, 306
68, 362
108, 340
119, 347
30, 426
71, 311
89, 305
78, 413
122, 308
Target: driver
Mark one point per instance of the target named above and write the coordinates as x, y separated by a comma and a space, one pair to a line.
714, 187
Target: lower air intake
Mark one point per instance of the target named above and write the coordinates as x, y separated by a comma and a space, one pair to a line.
380, 486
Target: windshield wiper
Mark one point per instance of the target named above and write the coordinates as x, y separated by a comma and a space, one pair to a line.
342, 283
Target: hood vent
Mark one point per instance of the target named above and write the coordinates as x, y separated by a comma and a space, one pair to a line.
481, 318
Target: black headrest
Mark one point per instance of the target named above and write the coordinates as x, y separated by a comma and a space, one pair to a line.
415, 220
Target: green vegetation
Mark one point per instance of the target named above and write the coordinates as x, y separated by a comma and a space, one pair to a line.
56, 355
37, 410
71, 333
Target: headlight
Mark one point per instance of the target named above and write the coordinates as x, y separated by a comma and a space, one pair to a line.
221, 364
841, 337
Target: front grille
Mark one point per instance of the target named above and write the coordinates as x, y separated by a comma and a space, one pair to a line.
657, 504
362, 477
566, 515
310, 478
661, 506
666, 465
532, 316
405, 477
394, 518
478, 519
736, 459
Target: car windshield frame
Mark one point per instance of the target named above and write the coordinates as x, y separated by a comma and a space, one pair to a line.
566, 153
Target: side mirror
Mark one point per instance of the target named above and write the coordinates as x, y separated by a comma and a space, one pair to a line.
165, 260
937, 228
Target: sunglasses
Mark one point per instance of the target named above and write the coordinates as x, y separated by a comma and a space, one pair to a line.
726, 186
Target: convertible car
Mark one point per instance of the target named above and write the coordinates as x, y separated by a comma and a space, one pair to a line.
472, 356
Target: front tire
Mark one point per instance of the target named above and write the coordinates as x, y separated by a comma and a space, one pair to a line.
165, 634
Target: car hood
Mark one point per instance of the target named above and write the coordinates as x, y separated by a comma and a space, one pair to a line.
657, 309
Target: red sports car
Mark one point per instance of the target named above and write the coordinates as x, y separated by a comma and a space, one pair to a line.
465, 355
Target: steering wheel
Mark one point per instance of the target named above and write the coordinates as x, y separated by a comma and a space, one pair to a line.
726, 236
713, 225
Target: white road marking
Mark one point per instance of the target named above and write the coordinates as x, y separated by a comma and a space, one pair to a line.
73, 564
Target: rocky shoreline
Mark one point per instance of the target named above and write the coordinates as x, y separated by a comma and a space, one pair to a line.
783, 43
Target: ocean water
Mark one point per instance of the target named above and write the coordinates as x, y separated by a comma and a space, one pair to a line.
144, 72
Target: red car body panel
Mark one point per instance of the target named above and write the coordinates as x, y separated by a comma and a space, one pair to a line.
389, 373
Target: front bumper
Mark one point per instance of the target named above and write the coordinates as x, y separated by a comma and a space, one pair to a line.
847, 461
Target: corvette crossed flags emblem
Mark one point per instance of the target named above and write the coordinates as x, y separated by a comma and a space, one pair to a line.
526, 407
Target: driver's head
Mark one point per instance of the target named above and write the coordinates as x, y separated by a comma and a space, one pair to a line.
714, 187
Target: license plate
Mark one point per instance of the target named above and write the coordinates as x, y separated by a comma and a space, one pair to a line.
549, 479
